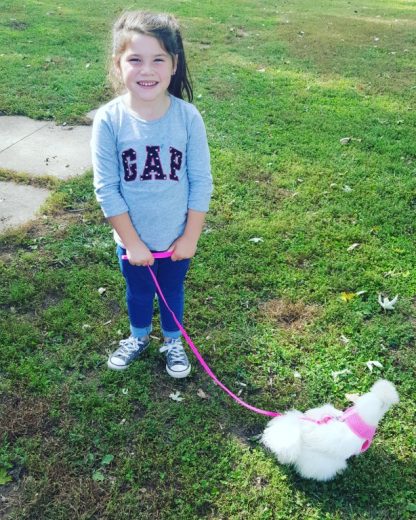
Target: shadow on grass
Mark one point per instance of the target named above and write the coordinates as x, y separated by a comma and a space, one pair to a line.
368, 487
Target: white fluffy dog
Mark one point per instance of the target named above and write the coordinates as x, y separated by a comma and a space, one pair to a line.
319, 442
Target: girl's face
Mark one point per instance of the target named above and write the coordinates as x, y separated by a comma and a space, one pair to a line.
146, 69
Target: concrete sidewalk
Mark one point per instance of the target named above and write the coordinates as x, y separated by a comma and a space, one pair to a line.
38, 148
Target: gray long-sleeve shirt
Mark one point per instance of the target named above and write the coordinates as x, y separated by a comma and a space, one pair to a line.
154, 170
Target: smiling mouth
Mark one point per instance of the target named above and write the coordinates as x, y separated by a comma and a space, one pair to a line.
147, 84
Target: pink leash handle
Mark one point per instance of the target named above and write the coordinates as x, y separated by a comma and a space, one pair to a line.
167, 254
163, 254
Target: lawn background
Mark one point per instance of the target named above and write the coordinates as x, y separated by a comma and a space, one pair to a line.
279, 83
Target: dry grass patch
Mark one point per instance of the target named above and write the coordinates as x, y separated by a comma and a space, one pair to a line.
63, 492
9, 498
287, 314
44, 225
270, 191
26, 416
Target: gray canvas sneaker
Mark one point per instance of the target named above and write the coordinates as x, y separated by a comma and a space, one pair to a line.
129, 350
177, 364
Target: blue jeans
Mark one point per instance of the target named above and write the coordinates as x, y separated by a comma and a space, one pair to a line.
140, 293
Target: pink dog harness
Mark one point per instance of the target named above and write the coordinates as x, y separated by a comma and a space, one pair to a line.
350, 416
359, 427
354, 423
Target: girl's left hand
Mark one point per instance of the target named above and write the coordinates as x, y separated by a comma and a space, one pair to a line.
183, 247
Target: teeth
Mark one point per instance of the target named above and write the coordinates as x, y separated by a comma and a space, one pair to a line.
147, 83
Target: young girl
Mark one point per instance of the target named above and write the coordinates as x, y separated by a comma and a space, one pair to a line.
152, 176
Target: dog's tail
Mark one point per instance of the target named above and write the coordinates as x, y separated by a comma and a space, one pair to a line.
386, 392
283, 437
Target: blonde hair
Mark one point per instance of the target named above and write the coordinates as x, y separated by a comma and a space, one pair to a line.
165, 28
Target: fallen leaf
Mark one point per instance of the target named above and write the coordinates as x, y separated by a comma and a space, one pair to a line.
344, 339
353, 246
297, 374
101, 290
370, 365
176, 396
202, 394
256, 240
347, 296
335, 375
259, 483
345, 140
347, 188
388, 305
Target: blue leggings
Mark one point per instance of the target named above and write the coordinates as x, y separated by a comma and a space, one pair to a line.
140, 293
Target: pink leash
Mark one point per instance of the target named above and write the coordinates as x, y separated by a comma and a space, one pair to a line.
168, 254
355, 423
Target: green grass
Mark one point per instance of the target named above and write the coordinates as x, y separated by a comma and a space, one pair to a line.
279, 84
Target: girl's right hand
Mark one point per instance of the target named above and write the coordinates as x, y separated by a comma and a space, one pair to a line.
140, 255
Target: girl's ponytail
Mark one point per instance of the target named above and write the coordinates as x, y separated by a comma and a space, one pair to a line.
181, 81
165, 28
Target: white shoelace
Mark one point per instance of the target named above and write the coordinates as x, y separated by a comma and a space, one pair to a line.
127, 347
175, 353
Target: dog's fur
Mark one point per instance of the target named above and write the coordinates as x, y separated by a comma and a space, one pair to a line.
320, 451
